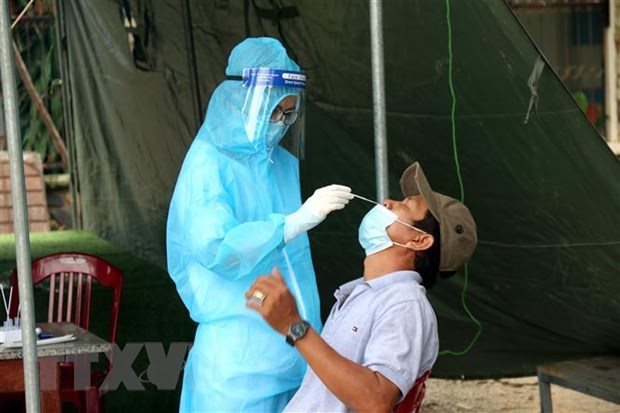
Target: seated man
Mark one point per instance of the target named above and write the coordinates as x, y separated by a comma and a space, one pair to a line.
381, 334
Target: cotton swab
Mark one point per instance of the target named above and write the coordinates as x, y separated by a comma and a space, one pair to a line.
365, 199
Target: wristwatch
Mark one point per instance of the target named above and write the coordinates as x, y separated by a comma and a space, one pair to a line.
296, 331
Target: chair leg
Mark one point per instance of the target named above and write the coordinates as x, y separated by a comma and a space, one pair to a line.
93, 400
101, 404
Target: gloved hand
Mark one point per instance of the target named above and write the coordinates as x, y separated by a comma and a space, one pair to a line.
315, 209
328, 199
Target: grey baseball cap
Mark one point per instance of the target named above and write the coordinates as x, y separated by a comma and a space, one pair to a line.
457, 228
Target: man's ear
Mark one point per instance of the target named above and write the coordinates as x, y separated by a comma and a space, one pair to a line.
421, 242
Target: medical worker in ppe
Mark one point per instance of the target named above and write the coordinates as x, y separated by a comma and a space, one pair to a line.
236, 213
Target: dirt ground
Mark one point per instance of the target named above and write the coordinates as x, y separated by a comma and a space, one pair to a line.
506, 395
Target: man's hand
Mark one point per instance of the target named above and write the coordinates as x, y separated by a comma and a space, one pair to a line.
358, 387
272, 299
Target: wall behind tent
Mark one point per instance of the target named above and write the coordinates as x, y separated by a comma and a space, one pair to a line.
544, 279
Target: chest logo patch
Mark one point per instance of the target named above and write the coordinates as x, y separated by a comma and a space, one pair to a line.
354, 329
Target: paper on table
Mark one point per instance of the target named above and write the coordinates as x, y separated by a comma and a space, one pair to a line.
53, 340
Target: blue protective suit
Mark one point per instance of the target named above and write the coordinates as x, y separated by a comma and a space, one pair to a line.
225, 228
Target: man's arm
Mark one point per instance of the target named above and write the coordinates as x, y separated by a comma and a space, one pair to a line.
358, 387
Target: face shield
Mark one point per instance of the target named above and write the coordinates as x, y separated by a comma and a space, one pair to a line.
274, 108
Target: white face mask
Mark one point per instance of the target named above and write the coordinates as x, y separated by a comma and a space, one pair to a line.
373, 236
275, 133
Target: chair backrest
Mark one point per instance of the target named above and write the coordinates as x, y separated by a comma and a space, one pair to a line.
70, 287
413, 400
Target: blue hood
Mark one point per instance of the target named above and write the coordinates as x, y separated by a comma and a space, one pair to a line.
224, 125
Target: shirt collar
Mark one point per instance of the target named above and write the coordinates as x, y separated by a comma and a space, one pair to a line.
379, 282
395, 277
346, 289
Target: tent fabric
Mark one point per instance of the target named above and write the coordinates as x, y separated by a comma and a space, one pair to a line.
544, 192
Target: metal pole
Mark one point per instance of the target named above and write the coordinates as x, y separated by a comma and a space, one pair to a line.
20, 212
2, 129
378, 93
191, 62
611, 77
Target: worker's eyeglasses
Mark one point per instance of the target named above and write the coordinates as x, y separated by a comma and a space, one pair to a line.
288, 117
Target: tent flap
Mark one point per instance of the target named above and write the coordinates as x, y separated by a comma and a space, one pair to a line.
544, 280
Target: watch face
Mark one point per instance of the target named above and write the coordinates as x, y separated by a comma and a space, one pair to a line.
298, 329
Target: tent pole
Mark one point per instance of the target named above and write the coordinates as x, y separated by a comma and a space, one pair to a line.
20, 212
191, 62
378, 93
611, 76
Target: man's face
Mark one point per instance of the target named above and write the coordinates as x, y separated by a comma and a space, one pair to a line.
408, 210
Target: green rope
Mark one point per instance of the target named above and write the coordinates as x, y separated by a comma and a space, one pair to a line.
461, 186
471, 316
453, 111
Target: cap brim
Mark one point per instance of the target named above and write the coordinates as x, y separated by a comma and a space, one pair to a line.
457, 228
413, 182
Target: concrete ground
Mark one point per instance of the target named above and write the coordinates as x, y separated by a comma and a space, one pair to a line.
506, 395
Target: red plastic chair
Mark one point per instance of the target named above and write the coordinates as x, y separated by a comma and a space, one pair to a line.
413, 400
70, 285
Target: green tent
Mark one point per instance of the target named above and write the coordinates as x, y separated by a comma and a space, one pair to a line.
541, 183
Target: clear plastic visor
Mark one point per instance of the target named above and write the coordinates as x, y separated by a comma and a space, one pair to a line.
274, 108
